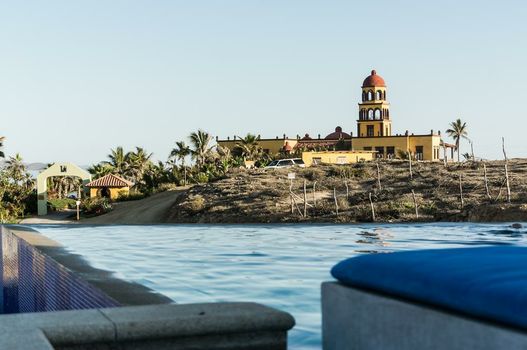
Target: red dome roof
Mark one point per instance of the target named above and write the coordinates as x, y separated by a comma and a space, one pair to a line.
338, 134
373, 80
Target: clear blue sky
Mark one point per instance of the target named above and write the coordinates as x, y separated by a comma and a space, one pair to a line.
80, 77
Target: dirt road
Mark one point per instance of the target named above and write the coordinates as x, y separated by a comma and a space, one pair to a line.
151, 210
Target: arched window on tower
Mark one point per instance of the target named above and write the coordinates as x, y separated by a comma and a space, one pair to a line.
379, 95
370, 114
384, 95
370, 95
364, 96
377, 113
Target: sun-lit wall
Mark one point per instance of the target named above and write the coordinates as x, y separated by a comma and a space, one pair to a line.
336, 157
115, 192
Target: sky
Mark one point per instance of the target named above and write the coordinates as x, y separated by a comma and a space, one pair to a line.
78, 78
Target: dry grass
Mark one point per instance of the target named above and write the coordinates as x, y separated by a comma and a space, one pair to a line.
263, 196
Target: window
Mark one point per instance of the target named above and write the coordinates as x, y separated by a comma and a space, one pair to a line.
317, 160
369, 130
419, 152
379, 95
286, 162
380, 152
390, 152
367, 148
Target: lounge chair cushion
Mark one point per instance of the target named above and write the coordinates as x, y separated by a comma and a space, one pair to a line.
485, 282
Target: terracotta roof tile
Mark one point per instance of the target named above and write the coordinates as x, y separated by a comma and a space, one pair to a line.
110, 180
373, 80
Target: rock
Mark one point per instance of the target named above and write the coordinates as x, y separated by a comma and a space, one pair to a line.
517, 225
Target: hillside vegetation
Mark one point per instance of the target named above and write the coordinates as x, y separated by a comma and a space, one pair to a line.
263, 196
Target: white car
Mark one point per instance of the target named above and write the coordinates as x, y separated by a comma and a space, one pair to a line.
286, 163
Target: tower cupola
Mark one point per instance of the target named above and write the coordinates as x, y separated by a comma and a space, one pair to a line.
374, 109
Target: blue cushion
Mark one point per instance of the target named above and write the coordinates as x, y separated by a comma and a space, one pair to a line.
485, 282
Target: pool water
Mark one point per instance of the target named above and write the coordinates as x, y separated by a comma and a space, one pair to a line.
281, 266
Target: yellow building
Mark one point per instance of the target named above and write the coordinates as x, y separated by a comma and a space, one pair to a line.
374, 127
336, 157
109, 186
374, 134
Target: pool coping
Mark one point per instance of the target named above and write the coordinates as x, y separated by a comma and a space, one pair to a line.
124, 292
151, 324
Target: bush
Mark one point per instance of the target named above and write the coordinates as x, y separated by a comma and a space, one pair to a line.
195, 204
62, 203
167, 186
125, 196
347, 171
96, 206
202, 178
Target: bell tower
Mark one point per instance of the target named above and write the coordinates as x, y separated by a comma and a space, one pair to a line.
374, 110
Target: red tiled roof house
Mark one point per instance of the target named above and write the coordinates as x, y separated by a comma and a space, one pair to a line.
110, 186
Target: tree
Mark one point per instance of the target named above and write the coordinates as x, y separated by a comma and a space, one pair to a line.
2, 155
118, 161
16, 187
201, 150
100, 170
457, 131
16, 168
249, 148
180, 152
138, 163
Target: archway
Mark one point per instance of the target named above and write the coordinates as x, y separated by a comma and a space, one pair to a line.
57, 169
105, 192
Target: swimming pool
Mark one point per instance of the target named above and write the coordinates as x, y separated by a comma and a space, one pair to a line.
277, 265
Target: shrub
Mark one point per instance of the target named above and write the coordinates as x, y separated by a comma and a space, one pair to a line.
347, 171
202, 178
96, 206
62, 203
124, 196
195, 203
167, 187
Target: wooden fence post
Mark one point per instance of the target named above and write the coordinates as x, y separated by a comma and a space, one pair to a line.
415, 205
506, 171
372, 208
305, 199
410, 164
378, 176
486, 181
461, 191
336, 202
314, 194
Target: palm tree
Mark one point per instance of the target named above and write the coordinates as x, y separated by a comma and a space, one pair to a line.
180, 152
200, 141
457, 131
138, 163
101, 169
249, 148
2, 155
118, 161
15, 166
